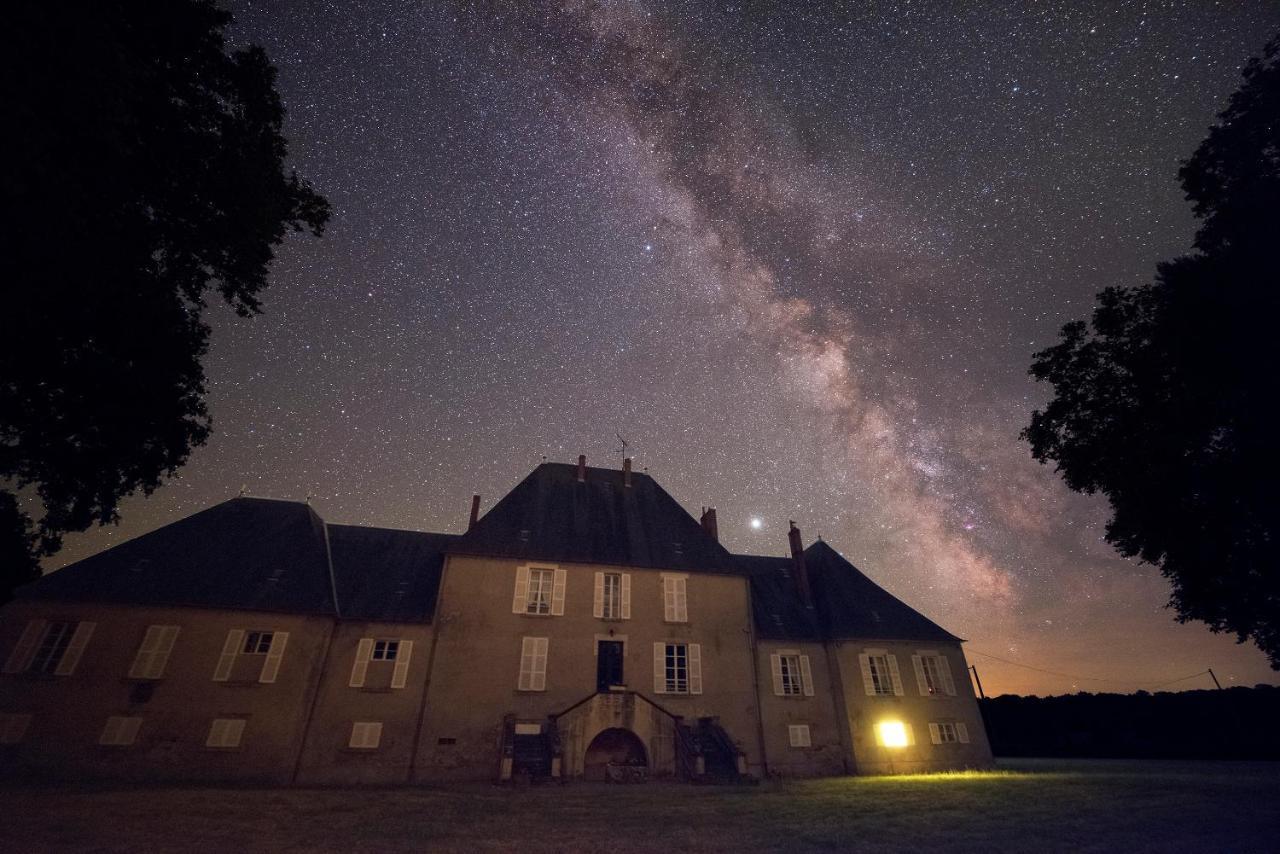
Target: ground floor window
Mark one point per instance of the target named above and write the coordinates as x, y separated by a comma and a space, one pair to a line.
225, 732
945, 732
677, 668
365, 735
798, 735
120, 731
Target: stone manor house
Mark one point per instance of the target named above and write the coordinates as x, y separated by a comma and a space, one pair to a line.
586, 626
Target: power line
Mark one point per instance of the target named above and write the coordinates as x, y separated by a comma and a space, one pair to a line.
1077, 676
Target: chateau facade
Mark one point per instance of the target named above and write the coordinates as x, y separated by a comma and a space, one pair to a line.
585, 627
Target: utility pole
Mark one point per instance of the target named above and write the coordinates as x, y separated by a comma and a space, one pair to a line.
1215, 679
974, 668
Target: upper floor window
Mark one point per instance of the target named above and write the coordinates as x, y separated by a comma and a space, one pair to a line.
153, 653
675, 598
240, 651
396, 651
792, 674
539, 590
52, 647
385, 650
613, 596
880, 675
677, 668
933, 674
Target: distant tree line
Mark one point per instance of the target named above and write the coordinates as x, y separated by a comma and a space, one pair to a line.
1237, 723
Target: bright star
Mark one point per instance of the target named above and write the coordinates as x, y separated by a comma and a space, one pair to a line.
756, 523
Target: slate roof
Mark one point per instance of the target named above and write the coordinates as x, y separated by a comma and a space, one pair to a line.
552, 516
777, 608
386, 575
246, 553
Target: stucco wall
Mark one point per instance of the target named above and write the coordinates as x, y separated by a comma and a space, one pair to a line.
477, 658
69, 712
913, 708
826, 756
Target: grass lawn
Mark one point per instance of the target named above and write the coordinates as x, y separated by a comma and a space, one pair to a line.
1029, 805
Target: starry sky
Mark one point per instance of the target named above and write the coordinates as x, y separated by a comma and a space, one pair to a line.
797, 257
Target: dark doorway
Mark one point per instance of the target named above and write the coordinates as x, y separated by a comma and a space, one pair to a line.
615, 747
608, 665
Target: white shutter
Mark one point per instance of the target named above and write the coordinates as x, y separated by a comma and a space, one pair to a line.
230, 649
75, 649
20, 659
13, 728
520, 602
400, 675
682, 600
225, 732
540, 664
659, 668
695, 668
897, 677
962, 732
120, 731
865, 661
360, 667
161, 658
668, 599
775, 664
918, 664
153, 654
947, 685
798, 735
526, 664
935, 735
271, 666
366, 734
626, 596
557, 594
597, 600
806, 675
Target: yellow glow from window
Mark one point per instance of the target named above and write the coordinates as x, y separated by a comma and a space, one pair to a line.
892, 733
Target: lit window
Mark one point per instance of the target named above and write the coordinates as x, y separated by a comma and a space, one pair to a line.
385, 650
541, 585
257, 643
892, 734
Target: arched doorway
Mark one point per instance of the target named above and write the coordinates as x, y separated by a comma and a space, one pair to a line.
614, 746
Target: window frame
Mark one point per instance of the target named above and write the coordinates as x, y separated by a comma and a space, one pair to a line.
805, 733
255, 638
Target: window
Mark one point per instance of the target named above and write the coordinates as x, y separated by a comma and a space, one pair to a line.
675, 598
365, 735
268, 644
677, 668
613, 596
50, 647
792, 676
225, 733
933, 674
894, 734
533, 664
257, 643
120, 732
539, 590
398, 652
13, 727
880, 673
153, 654
948, 733
798, 735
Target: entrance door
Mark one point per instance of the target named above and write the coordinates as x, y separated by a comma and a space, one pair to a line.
608, 665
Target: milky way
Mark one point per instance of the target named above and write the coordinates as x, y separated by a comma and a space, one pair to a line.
798, 261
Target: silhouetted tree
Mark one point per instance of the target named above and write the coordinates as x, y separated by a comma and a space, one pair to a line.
145, 166
1164, 402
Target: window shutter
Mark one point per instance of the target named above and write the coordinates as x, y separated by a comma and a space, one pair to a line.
520, 602
775, 664
153, 655
400, 675
669, 599
597, 601
870, 686
120, 731
129, 730
911, 736
682, 600
540, 664
918, 664
947, 685
934, 734
806, 675
161, 659
271, 666
225, 732
526, 664
897, 677
360, 667
75, 649
962, 733
230, 649
659, 668
695, 668
557, 594
799, 735
366, 734
20, 659
626, 596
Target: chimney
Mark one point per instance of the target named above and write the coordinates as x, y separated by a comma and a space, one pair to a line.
709, 523
797, 562
475, 512
582, 468
626, 471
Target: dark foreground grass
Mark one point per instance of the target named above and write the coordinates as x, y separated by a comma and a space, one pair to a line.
1029, 805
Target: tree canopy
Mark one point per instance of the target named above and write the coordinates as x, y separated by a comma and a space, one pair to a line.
146, 167
1164, 400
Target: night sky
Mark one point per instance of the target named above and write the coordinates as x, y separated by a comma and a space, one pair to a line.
799, 260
